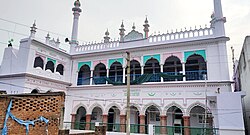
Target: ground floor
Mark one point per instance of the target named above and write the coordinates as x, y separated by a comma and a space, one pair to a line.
185, 109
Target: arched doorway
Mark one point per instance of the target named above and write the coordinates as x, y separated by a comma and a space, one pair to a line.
80, 118
174, 119
38, 62
96, 115
113, 119
172, 66
50, 66
152, 117
152, 66
100, 73
116, 72
134, 120
196, 67
84, 75
197, 119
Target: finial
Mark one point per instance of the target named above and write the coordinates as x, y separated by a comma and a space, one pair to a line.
107, 33
122, 25
77, 3
133, 26
146, 21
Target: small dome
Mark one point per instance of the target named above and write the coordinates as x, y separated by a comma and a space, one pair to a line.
77, 3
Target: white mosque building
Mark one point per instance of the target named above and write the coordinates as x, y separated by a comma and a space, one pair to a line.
178, 79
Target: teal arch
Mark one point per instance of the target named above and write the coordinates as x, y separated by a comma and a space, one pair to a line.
80, 64
111, 61
52, 60
147, 57
199, 52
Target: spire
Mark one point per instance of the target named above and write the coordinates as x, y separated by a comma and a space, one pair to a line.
218, 20
146, 28
33, 30
122, 32
106, 38
47, 39
133, 27
76, 12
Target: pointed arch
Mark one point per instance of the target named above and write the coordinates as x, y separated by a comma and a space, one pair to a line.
172, 66
50, 66
195, 105
100, 73
93, 106
116, 72
84, 75
74, 110
167, 107
196, 67
38, 62
111, 105
151, 104
60, 69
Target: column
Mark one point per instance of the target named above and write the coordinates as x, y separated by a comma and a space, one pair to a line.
162, 80
142, 70
88, 120
105, 119
91, 77
186, 120
184, 71
142, 124
163, 121
107, 75
122, 123
73, 120
124, 75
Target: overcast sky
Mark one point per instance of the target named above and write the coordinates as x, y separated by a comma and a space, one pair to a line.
100, 15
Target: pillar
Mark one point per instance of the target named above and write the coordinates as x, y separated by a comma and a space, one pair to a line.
162, 80
142, 124
163, 121
142, 70
88, 120
186, 120
107, 75
124, 75
91, 77
73, 120
123, 123
105, 119
184, 71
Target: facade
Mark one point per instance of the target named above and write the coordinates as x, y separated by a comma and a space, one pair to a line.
180, 78
241, 78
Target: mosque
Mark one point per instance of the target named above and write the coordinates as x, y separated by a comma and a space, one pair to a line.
178, 79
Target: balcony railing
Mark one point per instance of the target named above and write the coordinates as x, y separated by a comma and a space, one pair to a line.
195, 75
167, 76
135, 128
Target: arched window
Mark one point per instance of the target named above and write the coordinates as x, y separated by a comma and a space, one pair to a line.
100, 72
51, 66
172, 66
35, 91
84, 75
135, 70
38, 62
196, 67
60, 69
152, 66
116, 72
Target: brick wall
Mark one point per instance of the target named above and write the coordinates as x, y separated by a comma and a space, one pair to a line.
31, 107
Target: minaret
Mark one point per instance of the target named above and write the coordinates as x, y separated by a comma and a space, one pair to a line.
76, 12
218, 20
33, 30
106, 38
122, 32
146, 30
